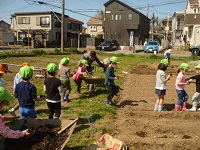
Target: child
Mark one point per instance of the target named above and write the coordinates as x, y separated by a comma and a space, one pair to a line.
109, 80
26, 93
17, 79
5, 131
2, 82
161, 80
196, 96
53, 87
167, 55
180, 85
64, 73
79, 74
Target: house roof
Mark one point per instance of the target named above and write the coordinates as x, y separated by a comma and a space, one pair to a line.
94, 21
194, 2
123, 4
45, 12
4, 22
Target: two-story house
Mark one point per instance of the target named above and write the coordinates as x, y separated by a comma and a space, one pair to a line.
94, 27
4, 28
178, 28
123, 23
45, 27
192, 22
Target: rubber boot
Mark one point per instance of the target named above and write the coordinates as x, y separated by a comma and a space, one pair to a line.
160, 108
184, 106
194, 107
156, 107
177, 107
107, 102
66, 97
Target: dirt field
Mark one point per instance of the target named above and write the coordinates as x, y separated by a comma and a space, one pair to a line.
141, 128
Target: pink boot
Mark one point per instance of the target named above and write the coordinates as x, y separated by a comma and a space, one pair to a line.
184, 106
177, 107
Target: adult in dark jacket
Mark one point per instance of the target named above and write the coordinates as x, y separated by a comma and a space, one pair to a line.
91, 57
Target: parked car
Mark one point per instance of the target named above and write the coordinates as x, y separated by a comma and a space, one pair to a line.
151, 46
195, 49
108, 45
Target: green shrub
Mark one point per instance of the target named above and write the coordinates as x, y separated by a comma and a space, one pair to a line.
57, 50
185, 48
38, 52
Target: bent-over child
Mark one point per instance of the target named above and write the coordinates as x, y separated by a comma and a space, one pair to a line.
180, 87
26, 93
161, 80
109, 80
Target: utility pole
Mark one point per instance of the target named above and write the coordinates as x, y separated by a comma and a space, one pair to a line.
167, 26
63, 25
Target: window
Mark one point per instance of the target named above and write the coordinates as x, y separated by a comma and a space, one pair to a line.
130, 16
116, 17
21, 35
112, 17
93, 28
24, 20
42, 21
120, 17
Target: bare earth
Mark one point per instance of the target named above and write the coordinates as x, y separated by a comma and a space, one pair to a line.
141, 128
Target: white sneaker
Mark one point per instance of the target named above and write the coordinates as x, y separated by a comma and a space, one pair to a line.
198, 109
193, 109
12, 112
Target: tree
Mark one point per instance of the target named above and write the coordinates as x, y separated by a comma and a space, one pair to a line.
100, 15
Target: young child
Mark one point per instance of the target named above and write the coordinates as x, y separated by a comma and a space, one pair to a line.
167, 55
196, 96
53, 88
77, 77
17, 79
5, 131
26, 93
2, 82
109, 80
64, 73
161, 80
180, 85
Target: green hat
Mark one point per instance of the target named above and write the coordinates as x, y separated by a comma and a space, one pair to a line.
198, 66
114, 59
85, 62
64, 61
26, 72
52, 68
185, 66
164, 61
4, 95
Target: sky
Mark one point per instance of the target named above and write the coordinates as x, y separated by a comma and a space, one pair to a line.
84, 9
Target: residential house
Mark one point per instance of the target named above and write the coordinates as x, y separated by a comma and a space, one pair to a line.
192, 22
167, 23
45, 28
178, 28
125, 24
94, 27
4, 28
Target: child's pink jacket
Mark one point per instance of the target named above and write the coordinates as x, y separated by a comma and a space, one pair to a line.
7, 132
180, 81
79, 74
